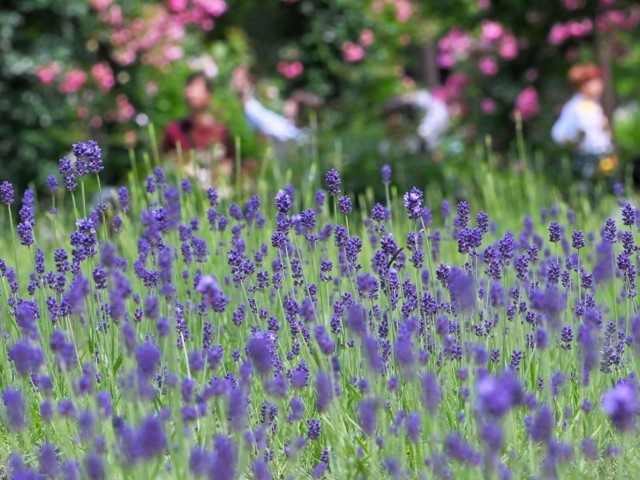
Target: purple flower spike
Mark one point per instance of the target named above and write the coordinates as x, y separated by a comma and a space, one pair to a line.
14, 403
413, 203
259, 353
333, 182
6, 193
621, 405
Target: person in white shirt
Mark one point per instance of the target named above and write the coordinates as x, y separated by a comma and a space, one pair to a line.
583, 124
264, 121
421, 108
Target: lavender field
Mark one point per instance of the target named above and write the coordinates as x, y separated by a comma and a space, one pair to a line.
173, 334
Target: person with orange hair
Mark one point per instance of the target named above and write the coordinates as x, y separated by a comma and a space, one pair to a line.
584, 125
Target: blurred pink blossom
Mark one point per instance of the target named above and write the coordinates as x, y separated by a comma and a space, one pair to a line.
112, 16
492, 31
103, 75
366, 37
579, 29
573, 4
488, 66
487, 105
124, 57
177, 5
352, 52
455, 45
403, 10
73, 81
527, 103
484, 4
290, 69
446, 60
96, 122
214, 8
101, 5
47, 73
125, 109
558, 34
508, 47
173, 53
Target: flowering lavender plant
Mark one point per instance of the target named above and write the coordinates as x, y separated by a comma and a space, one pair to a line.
265, 340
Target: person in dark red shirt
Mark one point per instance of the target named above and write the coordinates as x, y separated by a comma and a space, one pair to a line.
205, 146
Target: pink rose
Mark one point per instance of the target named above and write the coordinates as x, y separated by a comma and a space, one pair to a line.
508, 47
527, 103
488, 66
177, 5
47, 73
352, 52
103, 75
403, 10
492, 31
73, 81
366, 37
215, 8
558, 34
290, 70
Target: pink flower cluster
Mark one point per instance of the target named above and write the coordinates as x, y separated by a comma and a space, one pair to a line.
48, 73
156, 37
73, 81
352, 52
453, 47
290, 69
527, 104
619, 19
103, 75
494, 35
561, 32
607, 21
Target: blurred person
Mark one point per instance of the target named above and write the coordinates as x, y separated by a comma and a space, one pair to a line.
584, 126
280, 128
419, 119
207, 147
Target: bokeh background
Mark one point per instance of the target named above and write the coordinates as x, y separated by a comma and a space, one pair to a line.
114, 71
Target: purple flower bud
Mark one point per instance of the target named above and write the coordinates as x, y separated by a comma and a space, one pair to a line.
367, 411
324, 391
386, 174
14, 404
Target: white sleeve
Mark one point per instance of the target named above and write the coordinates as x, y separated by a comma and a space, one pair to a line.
567, 127
270, 123
434, 123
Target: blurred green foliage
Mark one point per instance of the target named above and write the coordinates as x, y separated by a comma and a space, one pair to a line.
38, 123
